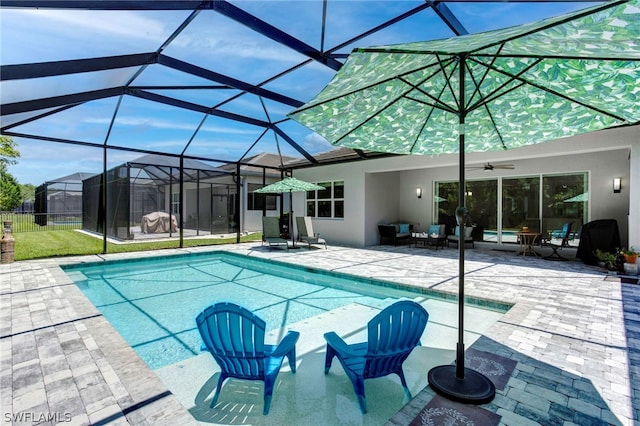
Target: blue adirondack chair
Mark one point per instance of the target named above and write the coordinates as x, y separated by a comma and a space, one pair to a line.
235, 338
393, 333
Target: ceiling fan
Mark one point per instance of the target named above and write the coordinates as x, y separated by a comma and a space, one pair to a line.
490, 167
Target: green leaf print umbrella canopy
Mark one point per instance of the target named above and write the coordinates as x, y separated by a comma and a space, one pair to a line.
503, 89
522, 85
290, 185
581, 198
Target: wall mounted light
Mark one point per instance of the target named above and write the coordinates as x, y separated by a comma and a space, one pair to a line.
617, 185
419, 192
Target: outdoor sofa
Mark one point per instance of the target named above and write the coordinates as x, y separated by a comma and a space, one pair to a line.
395, 233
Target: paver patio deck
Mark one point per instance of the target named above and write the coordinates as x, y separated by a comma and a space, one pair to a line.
575, 337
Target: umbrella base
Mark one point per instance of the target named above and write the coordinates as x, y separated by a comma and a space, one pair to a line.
475, 388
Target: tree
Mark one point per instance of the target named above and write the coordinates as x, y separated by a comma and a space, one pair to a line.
10, 194
8, 152
28, 191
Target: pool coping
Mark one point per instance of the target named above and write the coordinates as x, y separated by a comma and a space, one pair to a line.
92, 373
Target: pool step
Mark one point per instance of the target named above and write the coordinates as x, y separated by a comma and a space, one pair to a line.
349, 321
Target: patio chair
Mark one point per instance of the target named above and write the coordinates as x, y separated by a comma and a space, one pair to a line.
392, 335
305, 232
565, 234
271, 232
235, 338
455, 238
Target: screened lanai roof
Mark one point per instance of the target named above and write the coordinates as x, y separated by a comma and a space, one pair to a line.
210, 80
77, 177
165, 169
72, 182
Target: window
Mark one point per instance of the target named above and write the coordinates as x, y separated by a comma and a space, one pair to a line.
327, 202
259, 201
543, 203
175, 202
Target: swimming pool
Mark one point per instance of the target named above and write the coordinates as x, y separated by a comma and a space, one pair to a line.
153, 302
508, 236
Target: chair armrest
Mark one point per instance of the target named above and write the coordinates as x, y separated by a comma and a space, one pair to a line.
339, 345
286, 344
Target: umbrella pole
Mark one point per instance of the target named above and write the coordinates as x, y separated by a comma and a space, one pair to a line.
461, 218
293, 238
456, 382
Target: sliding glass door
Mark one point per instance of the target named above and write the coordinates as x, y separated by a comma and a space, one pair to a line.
543, 203
482, 203
520, 206
565, 199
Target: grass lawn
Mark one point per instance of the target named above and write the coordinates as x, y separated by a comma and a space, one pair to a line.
42, 244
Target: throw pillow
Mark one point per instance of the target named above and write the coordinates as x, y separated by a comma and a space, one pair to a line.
404, 228
467, 231
434, 229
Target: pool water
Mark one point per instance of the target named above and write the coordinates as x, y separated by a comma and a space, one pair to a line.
153, 302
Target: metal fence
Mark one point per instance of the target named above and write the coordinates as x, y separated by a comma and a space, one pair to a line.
29, 222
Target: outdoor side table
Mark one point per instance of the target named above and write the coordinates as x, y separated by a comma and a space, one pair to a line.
527, 240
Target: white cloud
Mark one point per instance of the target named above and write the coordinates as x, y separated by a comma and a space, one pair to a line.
315, 143
169, 125
123, 24
42, 161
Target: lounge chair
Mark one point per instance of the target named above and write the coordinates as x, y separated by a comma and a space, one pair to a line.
565, 234
235, 338
305, 232
271, 232
393, 333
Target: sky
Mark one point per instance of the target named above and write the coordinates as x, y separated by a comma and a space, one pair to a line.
210, 41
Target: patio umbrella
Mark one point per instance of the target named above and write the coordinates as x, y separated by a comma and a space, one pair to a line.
581, 198
501, 89
290, 185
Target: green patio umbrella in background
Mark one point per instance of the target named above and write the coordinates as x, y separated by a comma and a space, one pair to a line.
498, 90
581, 198
289, 185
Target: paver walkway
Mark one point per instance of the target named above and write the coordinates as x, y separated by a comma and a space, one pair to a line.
575, 337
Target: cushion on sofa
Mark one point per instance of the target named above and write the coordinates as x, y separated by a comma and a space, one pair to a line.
437, 229
403, 228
